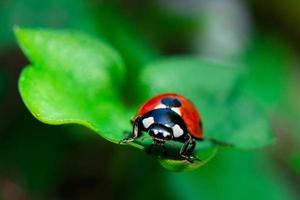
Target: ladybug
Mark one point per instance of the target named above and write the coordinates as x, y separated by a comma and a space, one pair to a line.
166, 117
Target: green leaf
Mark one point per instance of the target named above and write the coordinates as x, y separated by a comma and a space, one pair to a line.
245, 125
73, 79
227, 117
78, 79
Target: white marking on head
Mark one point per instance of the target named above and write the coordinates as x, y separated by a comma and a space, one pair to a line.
160, 106
165, 133
148, 121
177, 110
177, 131
168, 125
155, 132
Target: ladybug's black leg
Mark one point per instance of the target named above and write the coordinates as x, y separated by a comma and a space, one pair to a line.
192, 148
185, 151
135, 132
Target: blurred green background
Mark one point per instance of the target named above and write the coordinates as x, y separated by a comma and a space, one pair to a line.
38, 161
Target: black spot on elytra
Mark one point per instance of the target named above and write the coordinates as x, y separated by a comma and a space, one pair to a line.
171, 102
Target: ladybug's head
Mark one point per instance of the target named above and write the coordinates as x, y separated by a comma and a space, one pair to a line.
160, 132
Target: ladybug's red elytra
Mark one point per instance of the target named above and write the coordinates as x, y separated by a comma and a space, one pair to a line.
169, 117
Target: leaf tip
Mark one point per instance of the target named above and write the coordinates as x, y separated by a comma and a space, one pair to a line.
20, 35
16, 28
18, 31
24, 36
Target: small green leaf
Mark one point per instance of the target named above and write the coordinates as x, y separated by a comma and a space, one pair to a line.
226, 116
245, 125
73, 79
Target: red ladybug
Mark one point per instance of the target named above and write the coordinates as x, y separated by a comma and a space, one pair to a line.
169, 117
